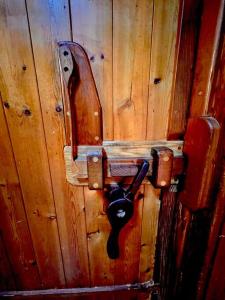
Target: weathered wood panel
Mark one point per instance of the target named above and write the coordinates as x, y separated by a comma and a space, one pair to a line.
50, 23
185, 68
149, 231
19, 90
13, 220
132, 31
92, 28
163, 65
131, 47
206, 56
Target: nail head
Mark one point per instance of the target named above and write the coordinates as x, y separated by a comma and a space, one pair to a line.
166, 158
95, 185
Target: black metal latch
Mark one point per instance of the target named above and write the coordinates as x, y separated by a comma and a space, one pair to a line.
120, 209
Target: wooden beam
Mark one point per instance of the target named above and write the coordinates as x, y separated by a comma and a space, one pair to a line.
121, 159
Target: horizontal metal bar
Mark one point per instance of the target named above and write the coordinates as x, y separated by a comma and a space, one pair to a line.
148, 287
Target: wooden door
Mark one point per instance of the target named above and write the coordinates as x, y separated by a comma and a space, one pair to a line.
53, 234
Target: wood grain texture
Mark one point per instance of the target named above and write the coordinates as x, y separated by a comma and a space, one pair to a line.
165, 242
217, 110
92, 29
200, 147
210, 278
49, 24
13, 221
162, 167
151, 208
132, 27
206, 56
95, 170
163, 65
19, 89
123, 159
85, 109
131, 67
98, 229
57, 212
185, 68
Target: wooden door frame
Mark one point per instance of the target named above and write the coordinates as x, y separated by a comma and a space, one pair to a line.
182, 263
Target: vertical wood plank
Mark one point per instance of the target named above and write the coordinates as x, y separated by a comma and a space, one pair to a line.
13, 221
163, 58
149, 231
19, 89
98, 229
185, 69
206, 56
165, 242
49, 23
92, 28
132, 29
132, 26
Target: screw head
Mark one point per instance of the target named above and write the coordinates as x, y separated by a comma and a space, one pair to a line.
95, 185
163, 183
95, 159
166, 158
96, 138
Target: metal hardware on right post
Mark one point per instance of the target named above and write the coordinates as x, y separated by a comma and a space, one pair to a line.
120, 209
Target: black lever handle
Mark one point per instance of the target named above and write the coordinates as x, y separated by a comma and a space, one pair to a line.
138, 178
120, 209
